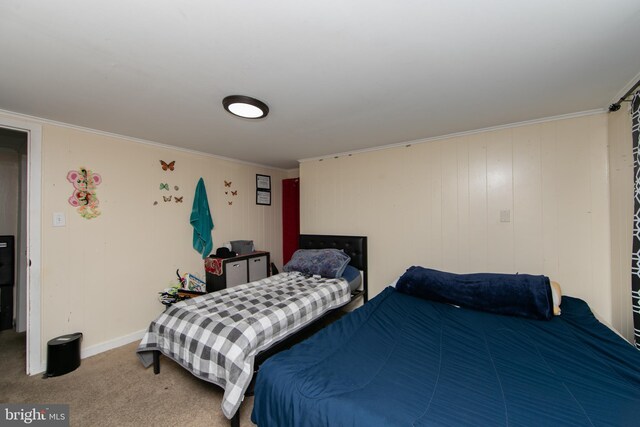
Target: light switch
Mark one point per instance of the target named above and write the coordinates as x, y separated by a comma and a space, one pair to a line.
59, 219
505, 215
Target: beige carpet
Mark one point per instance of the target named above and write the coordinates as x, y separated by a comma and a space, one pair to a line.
113, 389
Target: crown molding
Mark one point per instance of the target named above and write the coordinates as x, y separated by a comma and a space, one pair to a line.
41, 121
458, 134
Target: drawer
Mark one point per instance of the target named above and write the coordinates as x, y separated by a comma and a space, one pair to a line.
257, 268
236, 272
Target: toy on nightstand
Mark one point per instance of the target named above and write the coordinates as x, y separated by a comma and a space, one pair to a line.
189, 286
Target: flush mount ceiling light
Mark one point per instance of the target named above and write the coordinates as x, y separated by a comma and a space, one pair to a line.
245, 107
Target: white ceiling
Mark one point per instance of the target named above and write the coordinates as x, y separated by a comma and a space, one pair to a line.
338, 75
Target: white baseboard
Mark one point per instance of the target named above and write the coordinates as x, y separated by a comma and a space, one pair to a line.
111, 344
98, 348
37, 370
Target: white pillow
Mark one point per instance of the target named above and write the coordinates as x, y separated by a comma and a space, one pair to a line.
556, 293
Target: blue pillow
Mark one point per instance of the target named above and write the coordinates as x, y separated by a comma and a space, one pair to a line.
511, 294
328, 263
352, 275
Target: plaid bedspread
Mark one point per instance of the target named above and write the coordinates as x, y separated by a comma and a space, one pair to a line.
217, 336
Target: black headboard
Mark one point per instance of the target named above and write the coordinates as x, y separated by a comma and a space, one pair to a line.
354, 246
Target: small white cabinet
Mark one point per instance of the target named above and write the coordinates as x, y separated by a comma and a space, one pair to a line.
239, 270
236, 272
258, 267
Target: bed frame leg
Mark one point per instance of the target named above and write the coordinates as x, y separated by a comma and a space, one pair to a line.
235, 421
156, 362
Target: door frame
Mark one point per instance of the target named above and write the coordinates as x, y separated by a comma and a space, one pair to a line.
34, 363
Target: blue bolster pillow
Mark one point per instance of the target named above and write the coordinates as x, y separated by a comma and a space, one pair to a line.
521, 295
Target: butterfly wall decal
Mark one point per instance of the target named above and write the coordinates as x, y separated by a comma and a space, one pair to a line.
234, 193
176, 188
164, 186
179, 199
227, 183
170, 166
166, 199
230, 203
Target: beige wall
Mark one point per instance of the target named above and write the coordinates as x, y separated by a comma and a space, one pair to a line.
102, 276
438, 204
293, 173
621, 185
435, 204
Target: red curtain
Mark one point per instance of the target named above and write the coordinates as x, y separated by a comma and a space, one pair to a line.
290, 217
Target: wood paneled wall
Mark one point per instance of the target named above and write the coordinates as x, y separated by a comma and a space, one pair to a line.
621, 172
102, 276
438, 204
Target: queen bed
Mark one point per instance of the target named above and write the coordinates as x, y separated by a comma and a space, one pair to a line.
223, 337
414, 356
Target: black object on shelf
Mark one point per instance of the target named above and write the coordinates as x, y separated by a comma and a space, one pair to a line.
63, 355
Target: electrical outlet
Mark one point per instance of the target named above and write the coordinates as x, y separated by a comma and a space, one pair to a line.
505, 215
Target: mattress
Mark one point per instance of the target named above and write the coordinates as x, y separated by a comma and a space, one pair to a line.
404, 361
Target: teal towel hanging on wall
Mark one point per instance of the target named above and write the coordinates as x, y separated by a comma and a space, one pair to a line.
201, 221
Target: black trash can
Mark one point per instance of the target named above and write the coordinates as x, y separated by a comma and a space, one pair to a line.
63, 354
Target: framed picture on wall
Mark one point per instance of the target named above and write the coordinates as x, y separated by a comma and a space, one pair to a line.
263, 182
263, 197
263, 190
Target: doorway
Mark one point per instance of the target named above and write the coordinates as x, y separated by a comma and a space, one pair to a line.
20, 154
13, 239
290, 217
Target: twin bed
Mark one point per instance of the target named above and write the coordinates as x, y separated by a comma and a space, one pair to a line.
224, 336
408, 358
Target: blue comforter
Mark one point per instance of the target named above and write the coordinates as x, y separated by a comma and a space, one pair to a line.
404, 361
